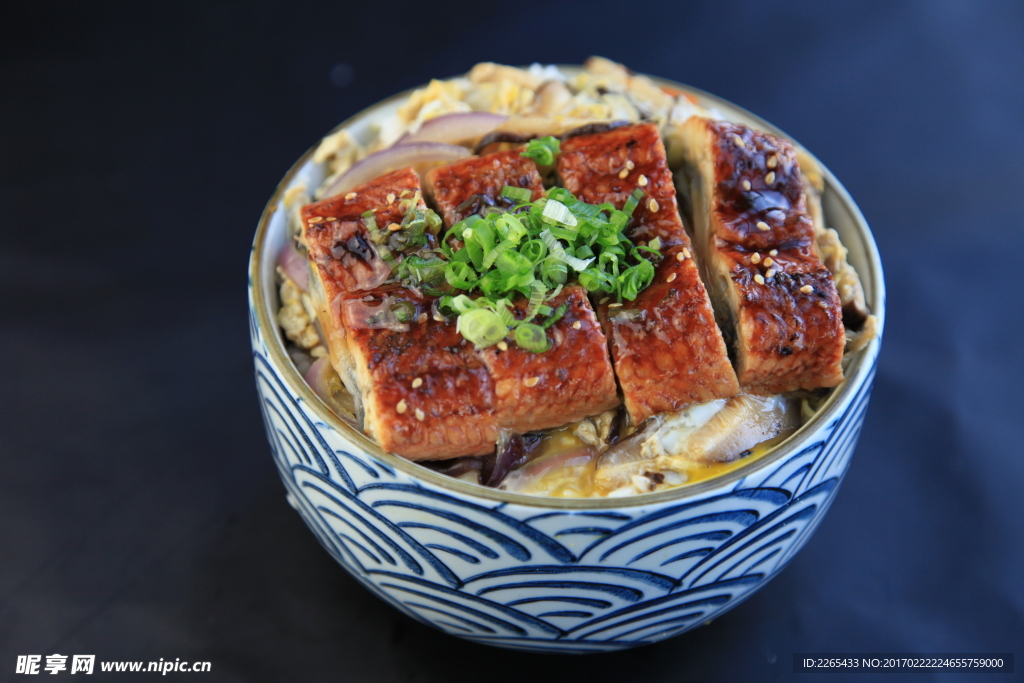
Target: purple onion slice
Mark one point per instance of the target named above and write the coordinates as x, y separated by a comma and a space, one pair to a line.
294, 266
463, 127
415, 154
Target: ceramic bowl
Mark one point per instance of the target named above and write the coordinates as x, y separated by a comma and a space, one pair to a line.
550, 574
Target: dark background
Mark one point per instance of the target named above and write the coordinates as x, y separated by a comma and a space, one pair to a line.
140, 513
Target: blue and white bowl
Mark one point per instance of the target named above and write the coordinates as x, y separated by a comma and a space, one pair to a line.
550, 574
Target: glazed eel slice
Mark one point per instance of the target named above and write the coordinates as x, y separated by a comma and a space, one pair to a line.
426, 393
382, 338
667, 350
471, 185
572, 380
774, 296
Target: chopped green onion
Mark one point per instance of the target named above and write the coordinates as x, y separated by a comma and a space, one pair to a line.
418, 270
559, 253
556, 316
536, 300
534, 250
510, 228
553, 272
633, 202
460, 275
542, 150
505, 313
495, 253
403, 311
531, 337
597, 280
482, 326
559, 213
530, 253
520, 194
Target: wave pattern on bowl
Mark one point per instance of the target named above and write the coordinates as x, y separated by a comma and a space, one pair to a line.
537, 578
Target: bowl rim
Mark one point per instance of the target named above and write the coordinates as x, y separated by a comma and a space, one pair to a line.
857, 373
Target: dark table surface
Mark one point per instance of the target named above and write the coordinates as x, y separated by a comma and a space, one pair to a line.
140, 513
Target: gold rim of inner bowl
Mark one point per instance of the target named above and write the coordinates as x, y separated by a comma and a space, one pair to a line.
856, 374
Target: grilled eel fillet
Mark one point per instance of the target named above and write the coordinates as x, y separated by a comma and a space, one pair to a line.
471, 185
572, 380
754, 235
430, 394
667, 350
450, 412
426, 392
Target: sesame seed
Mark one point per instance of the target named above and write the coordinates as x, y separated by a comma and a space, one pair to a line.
670, 278
577, 325
770, 178
394, 227
773, 161
686, 253
759, 279
503, 345
774, 252
823, 304
746, 185
652, 205
642, 180
316, 219
391, 197
438, 318
623, 173
738, 141
350, 196
807, 289
680, 256
417, 383
330, 218
532, 381
755, 258
604, 300
402, 407
768, 261
770, 274
615, 305
422, 319
420, 415
761, 225
630, 165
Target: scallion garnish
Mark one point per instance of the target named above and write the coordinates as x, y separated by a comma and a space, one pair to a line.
519, 194
532, 337
542, 150
481, 326
556, 212
530, 253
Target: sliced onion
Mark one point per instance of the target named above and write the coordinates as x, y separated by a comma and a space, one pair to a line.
511, 452
522, 129
322, 379
294, 266
417, 154
455, 128
562, 472
318, 377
